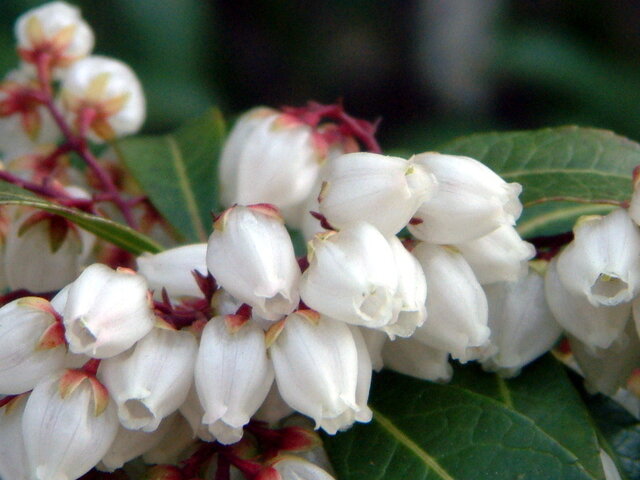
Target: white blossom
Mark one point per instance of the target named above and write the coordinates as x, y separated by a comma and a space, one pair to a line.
522, 326
55, 28
296, 468
499, 256
13, 455
381, 190
316, 364
595, 326
67, 428
270, 157
352, 277
470, 201
251, 256
109, 91
602, 263
31, 344
106, 311
456, 304
412, 357
172, 270
151, 380
232, 375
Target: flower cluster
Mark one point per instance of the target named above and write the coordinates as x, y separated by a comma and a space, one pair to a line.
195, 358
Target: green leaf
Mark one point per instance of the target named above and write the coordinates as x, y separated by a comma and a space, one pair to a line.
566, 172
621, 430
115, 233
479, 427
179, 172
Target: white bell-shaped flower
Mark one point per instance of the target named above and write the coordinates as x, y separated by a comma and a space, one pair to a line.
270, 157
130, 444
362, 413
522, 326
471, 201
68, 426
107, 311
411, 294
602, 263
233, 375
251, 256
606, 370
456, 304
381, 190
172, 270
412, 357
31, 344
104, 96
352, 277
594, 326
13, 455
316, 364
56, 29
499, 256
151, 380
295, 468
55, 247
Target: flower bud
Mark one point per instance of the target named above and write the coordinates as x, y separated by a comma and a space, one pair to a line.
151, 380
293, 468
412, 357
610, 470
106, 311
13, 455
250, 254
456, 304
602, 263
31, 344
172, 270
104, 97
68, 426
55, 29
499, 256
316, 364
522, 326
380, 190
269, 157
352, 277
470, 202
594, 326
55, 248
232, 375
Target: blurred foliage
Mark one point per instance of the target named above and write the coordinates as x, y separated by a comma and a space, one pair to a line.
550, 62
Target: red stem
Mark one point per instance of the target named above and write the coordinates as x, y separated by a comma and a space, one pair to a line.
78, 143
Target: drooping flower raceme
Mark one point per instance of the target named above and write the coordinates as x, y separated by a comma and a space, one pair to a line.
251, 256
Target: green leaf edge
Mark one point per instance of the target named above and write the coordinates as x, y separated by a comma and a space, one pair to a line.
138, 244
